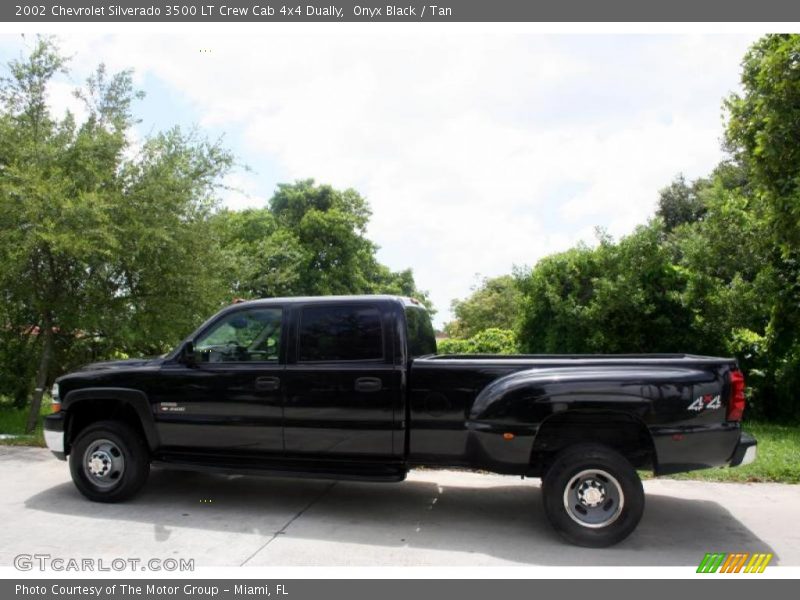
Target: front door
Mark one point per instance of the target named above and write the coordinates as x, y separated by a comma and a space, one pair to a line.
230, 402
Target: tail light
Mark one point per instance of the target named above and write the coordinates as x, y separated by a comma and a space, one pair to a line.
736, 401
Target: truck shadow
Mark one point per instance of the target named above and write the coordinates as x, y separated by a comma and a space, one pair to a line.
505, 522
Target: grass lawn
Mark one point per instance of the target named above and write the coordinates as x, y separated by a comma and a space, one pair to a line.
778, 449
12, 422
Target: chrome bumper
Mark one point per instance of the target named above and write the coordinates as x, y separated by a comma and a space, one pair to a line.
749, 455
54, 435
54, 440
745, 452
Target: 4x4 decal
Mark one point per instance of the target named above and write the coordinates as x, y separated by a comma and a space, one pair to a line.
706, 402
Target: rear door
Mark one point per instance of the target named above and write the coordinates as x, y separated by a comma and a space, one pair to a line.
342, 386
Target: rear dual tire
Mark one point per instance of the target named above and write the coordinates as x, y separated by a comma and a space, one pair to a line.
592, 496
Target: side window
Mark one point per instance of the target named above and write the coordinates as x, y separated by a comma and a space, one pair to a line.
244, 336
421, 338
340, 333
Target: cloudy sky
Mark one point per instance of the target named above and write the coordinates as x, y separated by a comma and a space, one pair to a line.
477, 151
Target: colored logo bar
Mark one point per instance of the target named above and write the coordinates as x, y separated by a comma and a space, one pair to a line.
735, 562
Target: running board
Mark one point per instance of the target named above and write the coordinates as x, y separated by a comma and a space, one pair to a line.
301, 469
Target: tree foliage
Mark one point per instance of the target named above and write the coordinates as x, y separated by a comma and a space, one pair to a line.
489, 341
98, 248
494, 303
680, 203
763, 132
615, 298
310, 241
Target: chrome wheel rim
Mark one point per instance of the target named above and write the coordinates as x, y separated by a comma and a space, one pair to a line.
103, 463
593, 498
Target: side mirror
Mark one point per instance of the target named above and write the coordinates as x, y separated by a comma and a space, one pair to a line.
188, 356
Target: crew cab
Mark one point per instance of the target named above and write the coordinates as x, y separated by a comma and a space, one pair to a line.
351, 387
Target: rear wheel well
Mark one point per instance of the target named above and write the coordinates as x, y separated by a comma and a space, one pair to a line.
622, 432
85, 412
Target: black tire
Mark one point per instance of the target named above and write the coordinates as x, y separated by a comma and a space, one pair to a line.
109, 461
592, 496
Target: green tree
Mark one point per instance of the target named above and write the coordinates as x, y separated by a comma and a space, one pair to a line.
95, 245
310, 241
494, 303
489, 341
763, 129
42, 256
262, 258
616, 298
166, 271
726, 262
555, 301
764, 126
680, 203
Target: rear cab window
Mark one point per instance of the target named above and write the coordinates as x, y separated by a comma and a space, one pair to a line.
421, 337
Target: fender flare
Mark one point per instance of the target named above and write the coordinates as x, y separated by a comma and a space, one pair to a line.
136, 399
548, 395
613, 414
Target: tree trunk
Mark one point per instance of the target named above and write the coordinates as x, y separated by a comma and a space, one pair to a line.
41, 375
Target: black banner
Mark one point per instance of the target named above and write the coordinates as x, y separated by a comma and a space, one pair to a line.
731, 588
438, 11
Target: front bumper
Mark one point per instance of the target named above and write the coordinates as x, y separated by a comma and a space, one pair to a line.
54, 435
745, 451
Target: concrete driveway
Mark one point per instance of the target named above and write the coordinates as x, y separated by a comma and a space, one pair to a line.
434, 518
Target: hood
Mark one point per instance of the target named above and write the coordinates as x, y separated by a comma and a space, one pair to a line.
128, 363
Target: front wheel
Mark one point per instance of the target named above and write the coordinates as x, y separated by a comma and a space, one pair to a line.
592, 496
109, 462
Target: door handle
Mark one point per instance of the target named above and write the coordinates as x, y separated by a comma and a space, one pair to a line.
268, 384
368, 384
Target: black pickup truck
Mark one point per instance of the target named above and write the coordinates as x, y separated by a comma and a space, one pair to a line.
352, 388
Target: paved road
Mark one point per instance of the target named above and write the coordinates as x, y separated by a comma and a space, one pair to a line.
434, 518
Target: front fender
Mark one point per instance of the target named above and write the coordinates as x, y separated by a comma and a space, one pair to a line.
136, 399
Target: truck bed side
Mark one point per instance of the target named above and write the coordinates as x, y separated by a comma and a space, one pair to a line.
508, 414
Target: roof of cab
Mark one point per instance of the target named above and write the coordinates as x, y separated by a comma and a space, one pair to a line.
405, 301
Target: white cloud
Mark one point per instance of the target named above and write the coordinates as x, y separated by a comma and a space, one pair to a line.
476, 151
61, 98
241, 191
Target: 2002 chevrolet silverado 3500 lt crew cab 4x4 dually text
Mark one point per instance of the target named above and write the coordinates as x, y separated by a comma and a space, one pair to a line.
351, 388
